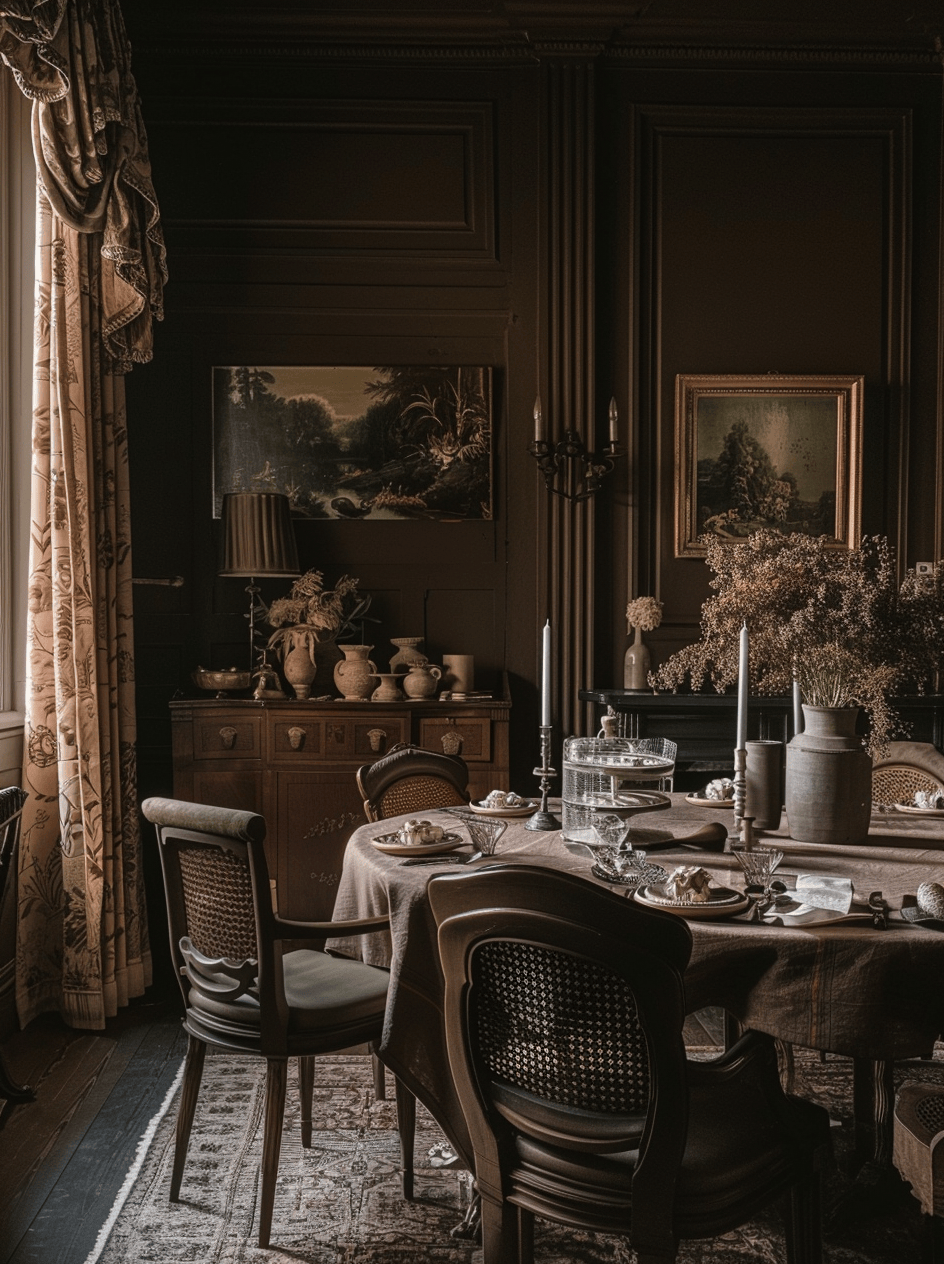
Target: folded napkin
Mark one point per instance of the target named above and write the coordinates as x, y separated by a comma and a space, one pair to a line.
823, 891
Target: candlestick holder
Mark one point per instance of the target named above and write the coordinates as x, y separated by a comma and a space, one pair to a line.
543, 819
740, 792
569, 469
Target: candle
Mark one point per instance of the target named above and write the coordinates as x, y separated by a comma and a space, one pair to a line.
743, 657
797, 708
538, 421
546, 676
613, 420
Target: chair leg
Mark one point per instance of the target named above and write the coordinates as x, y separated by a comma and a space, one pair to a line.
276, 1076
306, 1087
803, 1221
406, 1126
193, 1073
380, 1080
499, 1233
525, 1236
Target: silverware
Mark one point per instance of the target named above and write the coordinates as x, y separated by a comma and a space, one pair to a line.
442, 860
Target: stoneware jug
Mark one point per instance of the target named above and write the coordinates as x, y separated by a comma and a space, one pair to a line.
829, 778
421, 681
353, 675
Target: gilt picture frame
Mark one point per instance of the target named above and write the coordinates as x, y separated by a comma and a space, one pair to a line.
778, 451
355, 442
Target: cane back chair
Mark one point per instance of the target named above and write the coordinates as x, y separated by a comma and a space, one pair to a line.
411, 779
563, 1008
918, 1154
904, 767
243, 991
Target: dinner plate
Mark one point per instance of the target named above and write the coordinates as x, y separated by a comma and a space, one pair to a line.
391, 845
708, 803
523, 809
916, 811
721, 902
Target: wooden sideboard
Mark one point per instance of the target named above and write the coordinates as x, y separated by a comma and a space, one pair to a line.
294, 762
703, 724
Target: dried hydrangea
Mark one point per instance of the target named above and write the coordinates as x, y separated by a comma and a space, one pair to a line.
644, 613
835, 618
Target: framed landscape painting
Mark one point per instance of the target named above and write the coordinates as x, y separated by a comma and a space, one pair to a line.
356, 442
767, 451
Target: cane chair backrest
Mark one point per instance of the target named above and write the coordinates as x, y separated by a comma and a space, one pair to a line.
905, 768
411, 779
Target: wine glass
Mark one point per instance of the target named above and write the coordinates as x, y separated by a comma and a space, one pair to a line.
759, 865
485, 831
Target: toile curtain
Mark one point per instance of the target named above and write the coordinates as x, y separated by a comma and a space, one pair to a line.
82, 944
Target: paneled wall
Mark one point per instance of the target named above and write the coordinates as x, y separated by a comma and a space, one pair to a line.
589, 217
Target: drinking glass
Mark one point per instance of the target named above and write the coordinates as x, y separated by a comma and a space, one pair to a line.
758, 864
485, 831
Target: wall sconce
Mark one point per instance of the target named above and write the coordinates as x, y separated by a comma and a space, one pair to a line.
258, 541
569, 469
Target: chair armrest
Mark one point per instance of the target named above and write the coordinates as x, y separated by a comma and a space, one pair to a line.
333, 930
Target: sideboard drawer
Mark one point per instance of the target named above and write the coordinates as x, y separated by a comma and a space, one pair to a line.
233, 736
469, 736
333, 738
297, 739
373, 738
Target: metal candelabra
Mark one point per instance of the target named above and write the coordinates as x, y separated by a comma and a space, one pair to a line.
544, 819
569, 469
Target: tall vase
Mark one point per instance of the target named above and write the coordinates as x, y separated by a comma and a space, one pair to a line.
636, 664
298, 666
829, 778
353, 675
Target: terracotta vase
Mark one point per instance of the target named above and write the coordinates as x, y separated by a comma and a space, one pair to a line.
408, 653
829, 778
353, 675
421, 681
636, 664
387, 690
299, 667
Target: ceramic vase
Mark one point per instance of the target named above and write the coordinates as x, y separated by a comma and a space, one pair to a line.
829, 778
421, 681
353, 675
299, 668
387, 690
636, 664
408, 653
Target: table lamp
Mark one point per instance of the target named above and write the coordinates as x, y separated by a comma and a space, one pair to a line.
258, 541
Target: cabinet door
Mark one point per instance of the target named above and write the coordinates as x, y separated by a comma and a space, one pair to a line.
317, 813
229, 786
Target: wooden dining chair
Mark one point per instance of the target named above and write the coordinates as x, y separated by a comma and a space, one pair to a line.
244, 992
918, 1154
564, 1006
12, 799
904, 767
411, 779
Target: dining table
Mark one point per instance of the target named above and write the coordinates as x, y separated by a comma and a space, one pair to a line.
870, 992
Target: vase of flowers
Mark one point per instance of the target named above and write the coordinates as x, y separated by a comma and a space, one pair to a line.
839, 623
308, 623
643, 614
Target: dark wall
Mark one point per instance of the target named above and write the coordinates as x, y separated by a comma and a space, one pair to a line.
348, 205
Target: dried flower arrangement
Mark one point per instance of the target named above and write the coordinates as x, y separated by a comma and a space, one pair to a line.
836, 618
312, 614
644, 613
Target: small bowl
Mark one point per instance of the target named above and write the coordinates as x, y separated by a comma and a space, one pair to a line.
223, 682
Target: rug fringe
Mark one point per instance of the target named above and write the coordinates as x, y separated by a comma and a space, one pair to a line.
139, 1156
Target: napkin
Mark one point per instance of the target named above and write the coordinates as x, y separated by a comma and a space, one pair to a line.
823, 891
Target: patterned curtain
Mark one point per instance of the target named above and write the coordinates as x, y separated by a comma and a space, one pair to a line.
82, 932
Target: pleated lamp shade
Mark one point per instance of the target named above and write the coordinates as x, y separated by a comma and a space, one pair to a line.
257, 535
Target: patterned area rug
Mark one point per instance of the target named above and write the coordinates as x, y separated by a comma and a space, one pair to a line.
340, 1202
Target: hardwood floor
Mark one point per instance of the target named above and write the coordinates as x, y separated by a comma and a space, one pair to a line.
64, 1156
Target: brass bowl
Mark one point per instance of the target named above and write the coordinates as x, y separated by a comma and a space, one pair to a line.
223, 682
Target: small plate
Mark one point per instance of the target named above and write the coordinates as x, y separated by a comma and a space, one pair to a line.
390, 845
708, 803
916, 811
523, 809
721, 902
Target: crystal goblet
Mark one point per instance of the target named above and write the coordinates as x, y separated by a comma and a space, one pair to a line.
759, 865
485, 831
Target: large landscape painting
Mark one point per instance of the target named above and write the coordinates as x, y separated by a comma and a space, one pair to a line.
355, 442
779, 453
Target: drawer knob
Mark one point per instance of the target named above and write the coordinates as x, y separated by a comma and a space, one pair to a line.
296, 737
451, 742
228, 736
376, 737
